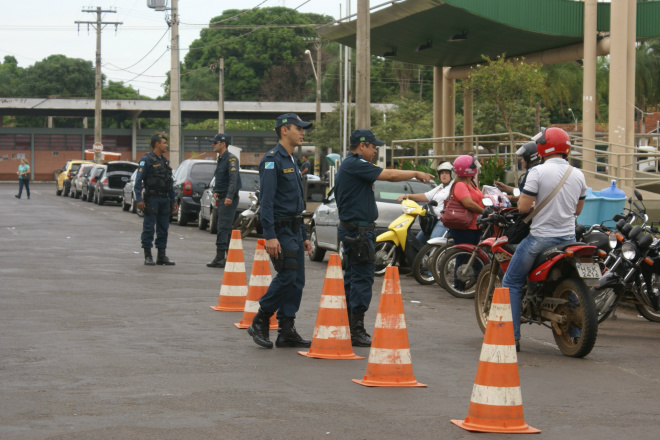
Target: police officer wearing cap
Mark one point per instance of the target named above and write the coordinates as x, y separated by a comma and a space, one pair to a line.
159, 203
356, 203
225, 193
286, 239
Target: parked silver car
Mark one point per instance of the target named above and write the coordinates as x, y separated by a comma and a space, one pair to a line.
128, 200
110, 185
323, 232
207, 212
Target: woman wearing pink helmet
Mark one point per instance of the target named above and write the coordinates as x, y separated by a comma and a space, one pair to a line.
466, 191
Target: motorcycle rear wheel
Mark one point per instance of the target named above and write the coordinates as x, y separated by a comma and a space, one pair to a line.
450, 267
424, 260
386, 255
482, 297
648, 312
577, 336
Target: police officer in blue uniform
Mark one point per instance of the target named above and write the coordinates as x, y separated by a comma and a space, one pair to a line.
286, 239
225, 193
356, 203
159, 202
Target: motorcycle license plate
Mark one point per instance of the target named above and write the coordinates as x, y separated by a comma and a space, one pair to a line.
589, 270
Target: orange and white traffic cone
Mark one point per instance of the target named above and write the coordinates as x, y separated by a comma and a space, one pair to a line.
332, 335
390, 364
496, 402
260, 279
233, 291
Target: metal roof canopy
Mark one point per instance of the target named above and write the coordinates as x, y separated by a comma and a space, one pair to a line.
493, 27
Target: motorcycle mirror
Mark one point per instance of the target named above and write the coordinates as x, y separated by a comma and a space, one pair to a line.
617, 217
638, 206
487, 201
433, 203
516, 192
638, 195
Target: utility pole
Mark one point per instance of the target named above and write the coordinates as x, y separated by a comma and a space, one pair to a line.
175, 89
362, 67
98, 25
221, 96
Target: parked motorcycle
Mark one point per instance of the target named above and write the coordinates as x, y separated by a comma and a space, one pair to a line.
428, 256
248, 220
557, 291
398, 244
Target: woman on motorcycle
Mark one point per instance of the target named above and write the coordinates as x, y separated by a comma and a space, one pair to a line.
466, 191
439, 194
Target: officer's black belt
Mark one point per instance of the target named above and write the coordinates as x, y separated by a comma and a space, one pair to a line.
158, 193
351, 226
224, 195
293, 222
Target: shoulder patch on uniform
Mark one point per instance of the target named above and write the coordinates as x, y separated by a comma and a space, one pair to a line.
287, 170
269, 165
141, 163
233, 169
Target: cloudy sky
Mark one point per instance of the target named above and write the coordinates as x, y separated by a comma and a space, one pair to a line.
137, 53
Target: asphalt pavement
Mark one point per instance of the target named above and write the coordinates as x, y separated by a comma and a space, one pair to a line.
95, 345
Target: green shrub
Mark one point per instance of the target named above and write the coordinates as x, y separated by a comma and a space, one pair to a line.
493, 169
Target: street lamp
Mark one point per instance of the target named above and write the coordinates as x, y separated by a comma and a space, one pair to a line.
574, 118
317, 75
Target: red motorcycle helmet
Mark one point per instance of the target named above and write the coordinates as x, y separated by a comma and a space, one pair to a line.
552, 140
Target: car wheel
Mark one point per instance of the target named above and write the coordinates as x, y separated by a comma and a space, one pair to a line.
65, 191
133, 207
58, 192
90, 196
181, 217
125, 206
100, 200
83, 195
317, 254
213, 225
202, 223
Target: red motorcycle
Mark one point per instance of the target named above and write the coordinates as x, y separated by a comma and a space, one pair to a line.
557, 291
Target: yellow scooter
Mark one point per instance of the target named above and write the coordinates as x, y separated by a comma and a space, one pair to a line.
397, 245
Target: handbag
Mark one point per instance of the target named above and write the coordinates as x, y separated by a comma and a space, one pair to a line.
454, 214
519, 230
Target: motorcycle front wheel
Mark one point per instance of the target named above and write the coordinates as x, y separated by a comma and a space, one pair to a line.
424, 260
575, 337
606, 301
484, 298
245, 225
648, 312
386, 255
455, 276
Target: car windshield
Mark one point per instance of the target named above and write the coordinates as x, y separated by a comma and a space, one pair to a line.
75, 167
388, 191
202, 171
86, 170
250, 181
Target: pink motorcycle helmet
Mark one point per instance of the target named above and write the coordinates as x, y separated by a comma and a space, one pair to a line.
465, 166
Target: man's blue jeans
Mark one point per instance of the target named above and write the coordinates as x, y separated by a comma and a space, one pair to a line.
438, 231
520, 266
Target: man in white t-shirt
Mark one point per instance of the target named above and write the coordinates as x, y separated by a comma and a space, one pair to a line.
439, 194
555, 223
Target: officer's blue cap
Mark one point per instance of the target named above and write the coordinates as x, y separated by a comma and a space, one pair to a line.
362, 135
220, 137
291, 118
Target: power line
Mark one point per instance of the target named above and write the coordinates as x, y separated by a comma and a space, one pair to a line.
150, 50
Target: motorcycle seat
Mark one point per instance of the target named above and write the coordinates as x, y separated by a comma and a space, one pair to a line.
553, 251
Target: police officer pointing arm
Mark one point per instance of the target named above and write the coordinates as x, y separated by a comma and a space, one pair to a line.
159, 200
286, 239
356, 203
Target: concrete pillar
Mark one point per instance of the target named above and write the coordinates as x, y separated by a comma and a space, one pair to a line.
437, 110
448, 109
618, 82
589, 84
362, 67
630, 83
468, 119
134, 136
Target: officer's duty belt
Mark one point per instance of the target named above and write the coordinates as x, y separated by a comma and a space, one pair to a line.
224, 195
351, 226
158, 194
291, 222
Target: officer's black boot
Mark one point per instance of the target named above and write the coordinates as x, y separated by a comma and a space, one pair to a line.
259, 329
162, 259
148, 259
288, 336
359, 336
219, 261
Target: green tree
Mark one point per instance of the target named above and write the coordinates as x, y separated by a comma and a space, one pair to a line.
117, 90
60, 76
506, 83
251, 54
10, 76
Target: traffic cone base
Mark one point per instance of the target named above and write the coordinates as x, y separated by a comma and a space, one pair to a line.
233, 291
260, 279
332, 336
496, 401
390, 363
